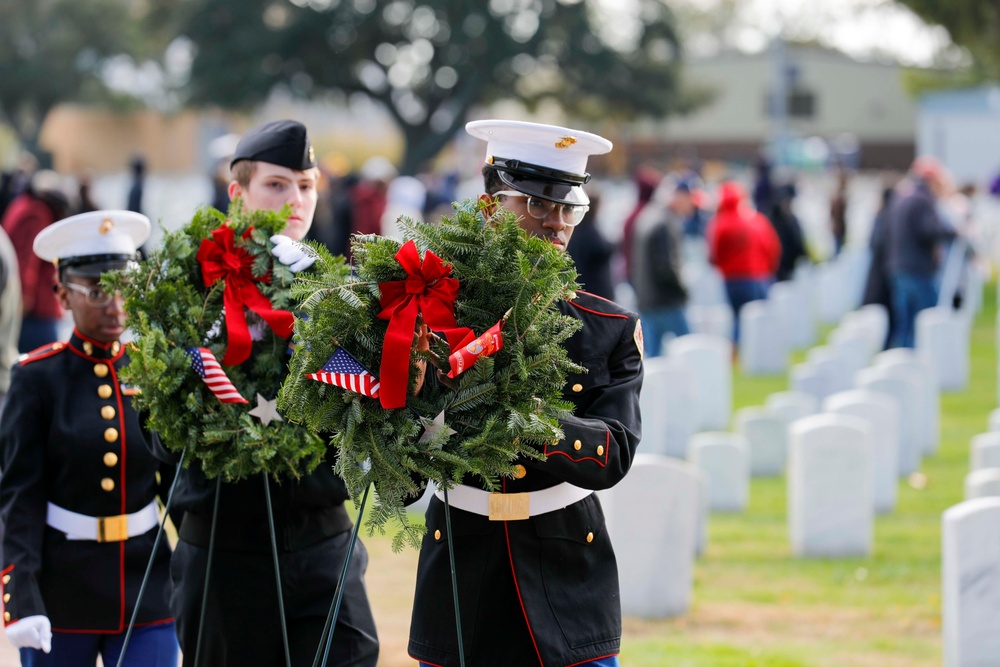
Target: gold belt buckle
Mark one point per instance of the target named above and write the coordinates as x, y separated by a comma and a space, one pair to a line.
510, 506
112, 528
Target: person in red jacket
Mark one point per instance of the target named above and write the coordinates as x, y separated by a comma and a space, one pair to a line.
42, 204
744, 247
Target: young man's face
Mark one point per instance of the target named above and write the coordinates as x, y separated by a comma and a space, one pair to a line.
551, 228
272, 186
103, 323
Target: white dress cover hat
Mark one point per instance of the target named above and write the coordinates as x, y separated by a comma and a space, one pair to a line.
94, 242
545, 161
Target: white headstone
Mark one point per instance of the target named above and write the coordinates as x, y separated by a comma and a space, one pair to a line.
723, 459
905, 393
995, 419
827, 362
833, 292
982, 483
767, 438
669, 406
715, 319
655, 547
870, 321
763, 349
711, 359
985, 451
704, 284
804, 327
929, 411
792, 405
881, 411
807, 378
942, 338
831, 509
852, 349
786, 306
970, 583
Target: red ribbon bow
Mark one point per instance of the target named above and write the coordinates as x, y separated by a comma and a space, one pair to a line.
221, 260
428, 290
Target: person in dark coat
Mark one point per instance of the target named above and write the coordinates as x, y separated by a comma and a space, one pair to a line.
79, 487
878, 285
786, 226
656, 263
914, 237
273, 166
541, 589
592, 254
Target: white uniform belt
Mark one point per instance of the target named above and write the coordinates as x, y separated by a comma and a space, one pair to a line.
102, 528
513, 506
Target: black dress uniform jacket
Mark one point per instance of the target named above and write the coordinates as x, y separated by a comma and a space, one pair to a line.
242, 614
70, 436
544, 590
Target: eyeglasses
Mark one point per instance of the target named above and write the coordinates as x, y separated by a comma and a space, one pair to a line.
95, 296
539, 208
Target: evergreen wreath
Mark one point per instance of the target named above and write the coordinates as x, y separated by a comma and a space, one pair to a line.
504, 407
170, 309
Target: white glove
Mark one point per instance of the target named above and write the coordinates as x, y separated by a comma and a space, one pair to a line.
292, 254
31, 632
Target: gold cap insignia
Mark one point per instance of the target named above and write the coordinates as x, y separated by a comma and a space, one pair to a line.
565, 142
312, 154
106, 226
489, 159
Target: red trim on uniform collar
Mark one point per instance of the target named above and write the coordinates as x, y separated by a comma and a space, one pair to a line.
97, 346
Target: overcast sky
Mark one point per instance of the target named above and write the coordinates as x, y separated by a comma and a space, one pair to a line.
863, 28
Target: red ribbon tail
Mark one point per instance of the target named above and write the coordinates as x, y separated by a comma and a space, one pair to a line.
238, 349
394, 372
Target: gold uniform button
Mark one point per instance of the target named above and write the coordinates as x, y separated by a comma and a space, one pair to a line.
101, 370
104, 391
520, 471
6, 578
115, 347
577, 445
437, 534
590, 537
6, 597
6, 616
600, 450
108, 484
108, 412
578, 387
110, 459
111, 434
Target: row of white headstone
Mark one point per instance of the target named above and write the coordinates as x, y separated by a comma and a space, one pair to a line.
970, 559
843, 464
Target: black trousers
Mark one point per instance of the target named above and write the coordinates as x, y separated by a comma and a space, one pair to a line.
242, 626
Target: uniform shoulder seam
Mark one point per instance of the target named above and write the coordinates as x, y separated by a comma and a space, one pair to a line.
43, 352
597, 304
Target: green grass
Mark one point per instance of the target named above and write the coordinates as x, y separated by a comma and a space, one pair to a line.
756, 606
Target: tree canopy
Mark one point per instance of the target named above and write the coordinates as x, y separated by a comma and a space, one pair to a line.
973, 24
54, 51
428, 62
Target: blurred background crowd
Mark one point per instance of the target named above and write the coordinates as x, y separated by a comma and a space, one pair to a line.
750, 137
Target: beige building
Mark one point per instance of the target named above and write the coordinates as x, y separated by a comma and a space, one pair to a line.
830, 96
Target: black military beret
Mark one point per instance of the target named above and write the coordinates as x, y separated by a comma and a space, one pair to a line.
281, 142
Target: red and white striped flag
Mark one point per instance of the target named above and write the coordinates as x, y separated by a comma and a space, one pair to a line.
346, 372
208, 369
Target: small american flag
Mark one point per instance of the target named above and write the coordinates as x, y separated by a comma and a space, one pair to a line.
208, 369
346, 372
